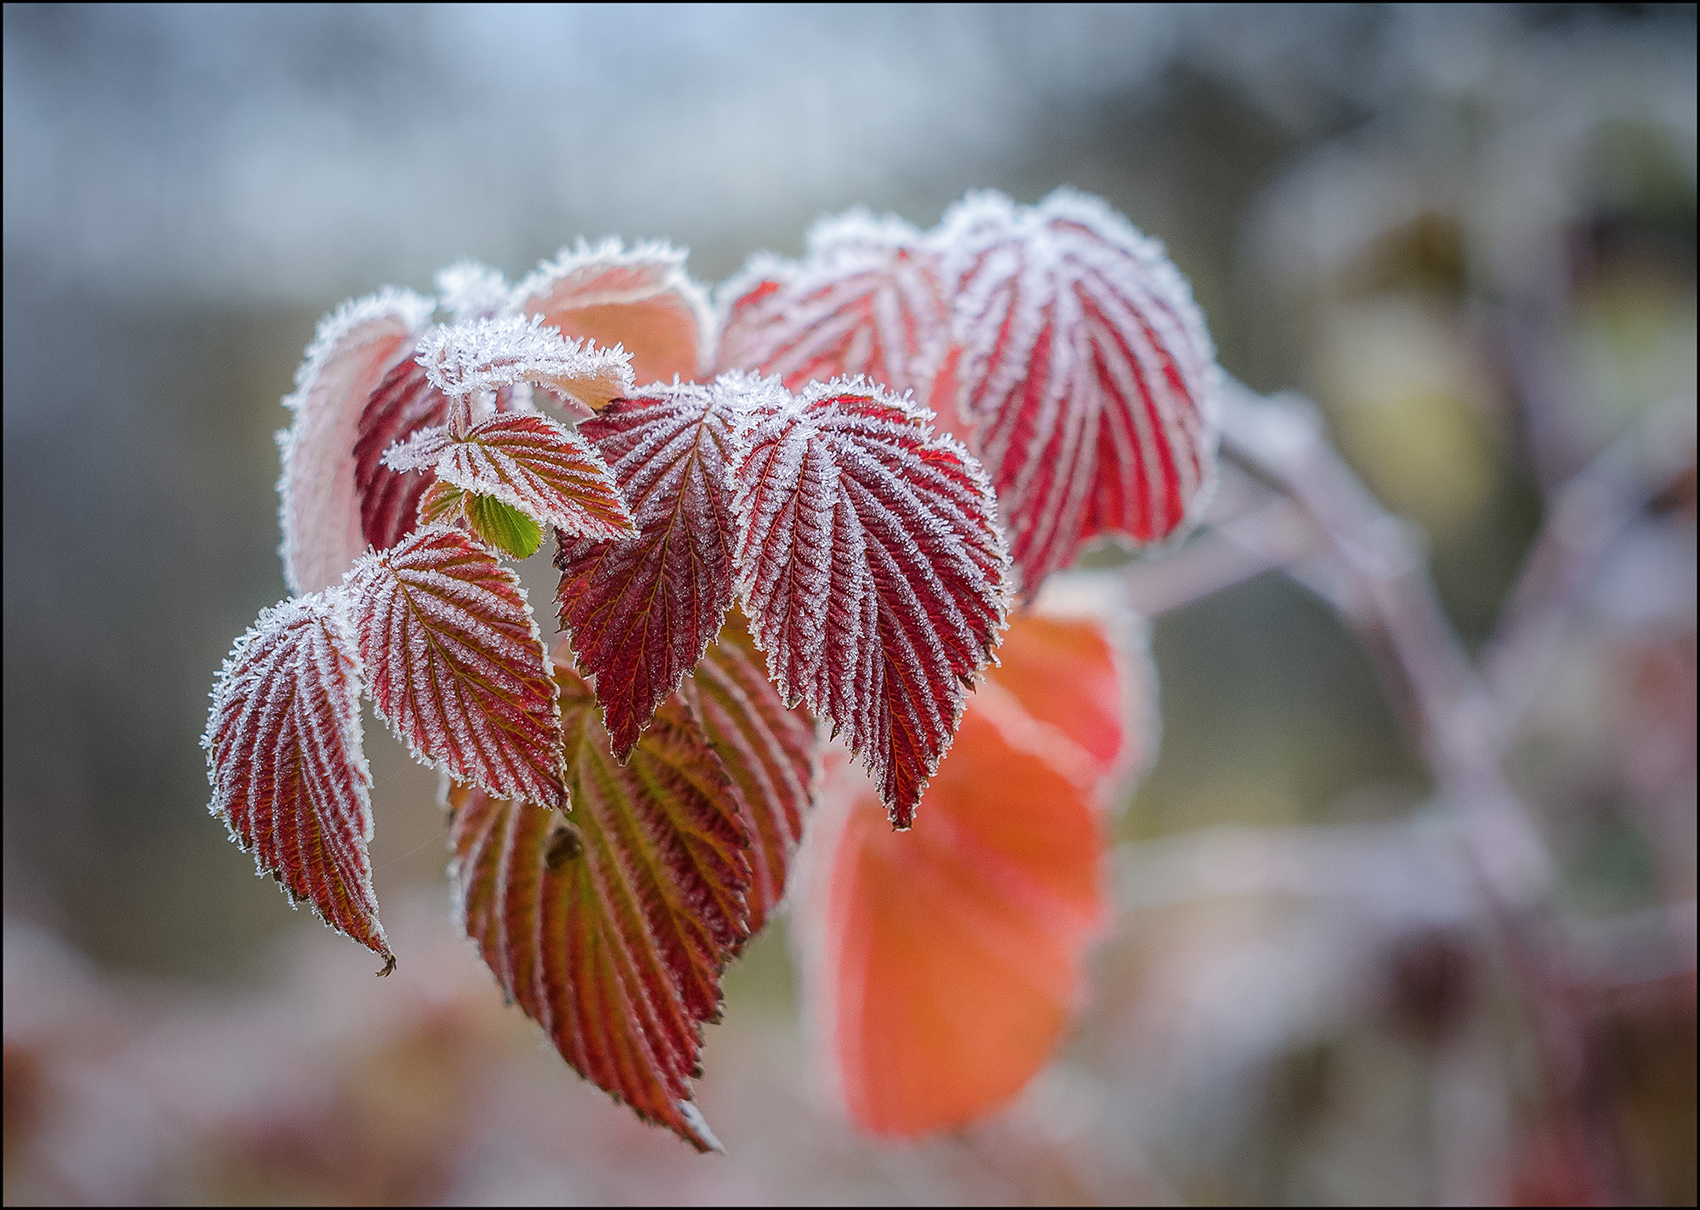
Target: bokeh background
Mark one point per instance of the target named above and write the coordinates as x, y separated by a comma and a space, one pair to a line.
1467, 232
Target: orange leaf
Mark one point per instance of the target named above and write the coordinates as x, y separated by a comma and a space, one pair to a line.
945, 962
640, 299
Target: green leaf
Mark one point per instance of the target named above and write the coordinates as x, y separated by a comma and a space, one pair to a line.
504, 525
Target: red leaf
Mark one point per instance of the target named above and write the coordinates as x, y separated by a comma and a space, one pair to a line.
640, 612
288, 771
1086, 372
611, 931
528, 461
641, 300
865, 300
769, 751
404, 403
351, 354
945, 962
873, 573
456, 665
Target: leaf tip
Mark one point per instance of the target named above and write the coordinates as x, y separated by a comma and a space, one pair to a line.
700, 1135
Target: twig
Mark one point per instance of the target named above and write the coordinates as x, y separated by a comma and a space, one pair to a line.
1588, 512
1379, 582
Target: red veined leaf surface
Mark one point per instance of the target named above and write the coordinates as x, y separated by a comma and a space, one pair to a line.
640, 611
945, 963
455, 663
530, 462
351, 354
287, 765
640, 299
463, 359
866, 299
403, 403
872, 569
1086, 373
611, 931
769, 750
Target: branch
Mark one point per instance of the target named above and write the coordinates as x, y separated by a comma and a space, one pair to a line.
1587, 514
1376, 575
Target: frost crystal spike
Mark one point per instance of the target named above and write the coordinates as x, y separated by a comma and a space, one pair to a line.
1086, 374
456, 665
287, 767
873, 572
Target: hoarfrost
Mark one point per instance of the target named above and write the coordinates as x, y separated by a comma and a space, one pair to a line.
456, 663
352, 351
873, 571
484, 354
287, 764
1086, 373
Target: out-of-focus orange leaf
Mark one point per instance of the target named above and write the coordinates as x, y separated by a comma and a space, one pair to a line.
945, 962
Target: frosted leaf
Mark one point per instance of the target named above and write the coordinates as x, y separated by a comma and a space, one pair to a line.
352, 351
455, 663
641, 611
770, 752
639, 298
484, 354
532, 463
287, 765
866, 299
1085, 372
873, 572
611, 931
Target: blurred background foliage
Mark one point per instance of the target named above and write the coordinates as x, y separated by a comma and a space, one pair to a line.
1467, 233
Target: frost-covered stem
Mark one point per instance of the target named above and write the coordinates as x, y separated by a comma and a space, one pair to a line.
1267, 535
1376, 575
1584, 515
467, 409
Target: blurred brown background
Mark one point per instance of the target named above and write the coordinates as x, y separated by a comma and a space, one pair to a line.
1467, 233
